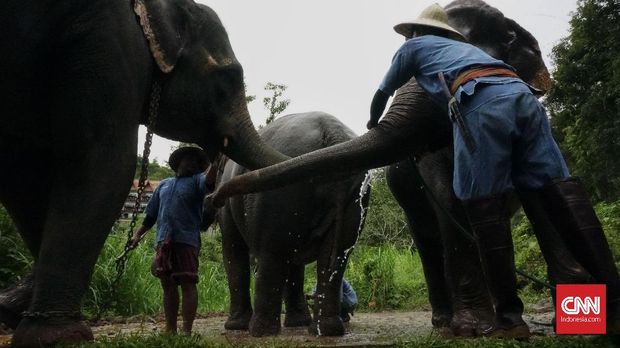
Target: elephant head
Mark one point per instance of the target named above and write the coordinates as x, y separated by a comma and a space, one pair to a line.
203, 95
413, 122
501, 37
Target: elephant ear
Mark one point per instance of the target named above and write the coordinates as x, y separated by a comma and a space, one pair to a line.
161, 28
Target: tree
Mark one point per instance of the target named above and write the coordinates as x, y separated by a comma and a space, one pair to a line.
585, 101
273, 104
248, 98
156, 170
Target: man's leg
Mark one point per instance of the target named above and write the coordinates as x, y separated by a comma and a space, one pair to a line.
570, 208
490, 220
482, 180
189, 307
541, 167
185, 274
171, 304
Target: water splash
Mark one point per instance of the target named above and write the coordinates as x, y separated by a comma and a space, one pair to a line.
366, 185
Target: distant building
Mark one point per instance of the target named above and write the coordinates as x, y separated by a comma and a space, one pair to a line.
149, 188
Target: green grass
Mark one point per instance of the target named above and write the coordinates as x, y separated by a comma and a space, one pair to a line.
139, 292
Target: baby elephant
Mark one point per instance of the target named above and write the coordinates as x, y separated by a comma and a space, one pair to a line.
286, 228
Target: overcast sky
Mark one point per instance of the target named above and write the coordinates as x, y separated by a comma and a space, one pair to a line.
332, 54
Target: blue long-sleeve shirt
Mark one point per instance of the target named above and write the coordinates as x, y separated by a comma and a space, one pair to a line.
425, 56
176, 205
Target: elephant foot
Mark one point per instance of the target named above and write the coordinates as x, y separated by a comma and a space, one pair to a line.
441, 319
518, 332
297, 318
238, 321
464, 324
471, 323
264, 325
36, 332
14, 300
327, 326
509, 326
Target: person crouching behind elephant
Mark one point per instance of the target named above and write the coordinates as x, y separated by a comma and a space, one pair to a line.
502, 141
348, 300
176, 207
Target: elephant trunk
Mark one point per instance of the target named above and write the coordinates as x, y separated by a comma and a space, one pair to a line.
413, 124
371, 150
243, 145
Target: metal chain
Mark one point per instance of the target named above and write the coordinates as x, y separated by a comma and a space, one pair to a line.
121, 260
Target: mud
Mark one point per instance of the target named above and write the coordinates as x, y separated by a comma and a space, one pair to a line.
364, 330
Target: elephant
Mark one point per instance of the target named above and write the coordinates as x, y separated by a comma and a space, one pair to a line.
78, 78
286, 228
415, 127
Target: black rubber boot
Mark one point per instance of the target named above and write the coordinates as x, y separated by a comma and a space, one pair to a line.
570, 209
489, 218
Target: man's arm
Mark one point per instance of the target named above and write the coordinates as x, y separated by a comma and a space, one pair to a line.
401, 70
147, 224
377, 106
151, 211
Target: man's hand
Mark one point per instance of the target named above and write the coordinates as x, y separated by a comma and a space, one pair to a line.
371, 124
376, 108
137, 237
135, 240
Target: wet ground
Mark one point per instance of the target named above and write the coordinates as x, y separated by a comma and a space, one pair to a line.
364, 330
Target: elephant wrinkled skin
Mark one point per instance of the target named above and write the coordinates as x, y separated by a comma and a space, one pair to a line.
76, 80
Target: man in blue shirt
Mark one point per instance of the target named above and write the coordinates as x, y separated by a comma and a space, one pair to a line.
502, 141
176, 206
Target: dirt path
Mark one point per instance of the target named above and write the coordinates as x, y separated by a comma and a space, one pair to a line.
365, 329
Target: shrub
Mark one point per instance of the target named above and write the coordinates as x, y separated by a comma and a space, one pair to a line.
15, 258
385, 221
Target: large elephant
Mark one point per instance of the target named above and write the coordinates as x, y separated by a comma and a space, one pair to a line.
76, 81
286, 228
415, 127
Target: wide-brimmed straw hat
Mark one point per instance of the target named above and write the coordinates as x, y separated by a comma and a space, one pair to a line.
177, 156
433, 16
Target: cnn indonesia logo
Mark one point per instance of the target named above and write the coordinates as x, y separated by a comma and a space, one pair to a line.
580, 309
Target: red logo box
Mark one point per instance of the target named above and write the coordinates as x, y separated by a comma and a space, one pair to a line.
580, 309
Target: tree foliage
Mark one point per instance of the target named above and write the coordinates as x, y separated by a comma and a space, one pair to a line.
156, 171
585, 100
274, 104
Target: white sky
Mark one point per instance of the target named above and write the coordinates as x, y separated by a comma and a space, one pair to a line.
332, 54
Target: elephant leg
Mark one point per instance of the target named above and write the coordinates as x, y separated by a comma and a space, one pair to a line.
237, 264
73, 237
326, 318
268, 297
297, 313
86, 197
28, 209
424, 228
426, 236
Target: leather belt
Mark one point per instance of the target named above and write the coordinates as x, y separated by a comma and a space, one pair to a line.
474, 73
